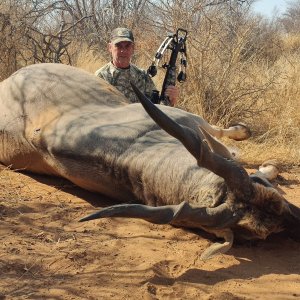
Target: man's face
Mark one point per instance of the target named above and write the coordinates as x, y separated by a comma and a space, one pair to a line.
121, 53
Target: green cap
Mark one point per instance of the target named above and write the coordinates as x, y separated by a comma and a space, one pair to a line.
121, 35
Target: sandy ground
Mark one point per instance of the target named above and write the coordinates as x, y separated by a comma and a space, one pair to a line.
46, 254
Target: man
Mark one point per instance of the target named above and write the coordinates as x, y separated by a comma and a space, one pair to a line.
120, 71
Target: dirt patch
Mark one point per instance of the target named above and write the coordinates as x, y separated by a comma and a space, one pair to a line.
46, 254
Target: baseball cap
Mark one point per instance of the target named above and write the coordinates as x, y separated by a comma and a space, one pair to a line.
121, 35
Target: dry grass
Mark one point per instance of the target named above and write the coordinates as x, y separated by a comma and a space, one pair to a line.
87, 58
277, 129
291, 43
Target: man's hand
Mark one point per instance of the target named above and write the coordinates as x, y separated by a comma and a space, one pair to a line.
172, 92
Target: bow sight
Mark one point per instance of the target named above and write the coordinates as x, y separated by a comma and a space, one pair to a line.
177, 44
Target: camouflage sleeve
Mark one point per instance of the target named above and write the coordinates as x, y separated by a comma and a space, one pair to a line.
103, 73
98, 73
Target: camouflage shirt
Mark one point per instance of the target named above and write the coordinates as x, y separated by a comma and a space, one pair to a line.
120, 78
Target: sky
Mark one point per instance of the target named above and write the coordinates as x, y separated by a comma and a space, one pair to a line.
268, 7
